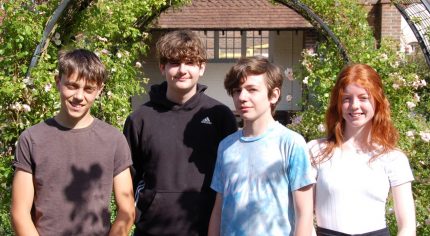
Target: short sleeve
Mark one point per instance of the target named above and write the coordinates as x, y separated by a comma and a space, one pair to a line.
217, 183
300, 171
122, 155
23, 155
397, 168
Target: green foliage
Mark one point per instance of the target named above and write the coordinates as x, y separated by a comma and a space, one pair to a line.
112, 29
405, 78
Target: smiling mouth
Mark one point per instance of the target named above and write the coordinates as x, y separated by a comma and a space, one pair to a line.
355, 115
181, 78
76, 105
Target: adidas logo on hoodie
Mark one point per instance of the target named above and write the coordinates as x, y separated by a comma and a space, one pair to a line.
206, 121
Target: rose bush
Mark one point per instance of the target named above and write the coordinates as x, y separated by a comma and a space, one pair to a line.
405, 79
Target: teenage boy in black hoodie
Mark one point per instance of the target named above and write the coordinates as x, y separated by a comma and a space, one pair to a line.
174, 139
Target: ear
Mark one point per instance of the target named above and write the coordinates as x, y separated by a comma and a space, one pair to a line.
202, 68
100, 89
276, 92
57, 81
162, 67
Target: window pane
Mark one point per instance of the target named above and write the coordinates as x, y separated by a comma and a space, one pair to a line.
257, 43
208, 38
229, 44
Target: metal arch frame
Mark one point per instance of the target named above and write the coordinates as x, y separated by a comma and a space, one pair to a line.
317, 22
425, 48
46, 32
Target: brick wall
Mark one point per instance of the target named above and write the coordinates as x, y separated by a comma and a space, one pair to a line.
384, 18
390, 21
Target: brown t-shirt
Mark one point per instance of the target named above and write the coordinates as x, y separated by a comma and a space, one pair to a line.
73, 171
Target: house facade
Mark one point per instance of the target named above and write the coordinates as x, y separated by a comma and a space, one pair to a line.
235, 28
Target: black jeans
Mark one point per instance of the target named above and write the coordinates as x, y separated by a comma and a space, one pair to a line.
328, 232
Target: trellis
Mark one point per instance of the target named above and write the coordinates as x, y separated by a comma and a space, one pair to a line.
417, 15
317, 23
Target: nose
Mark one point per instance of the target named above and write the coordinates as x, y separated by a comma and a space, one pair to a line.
79, 94
243, 95
182, 68
355, 104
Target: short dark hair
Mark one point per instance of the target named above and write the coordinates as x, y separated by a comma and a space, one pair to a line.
256, 65
179, 46
85, 63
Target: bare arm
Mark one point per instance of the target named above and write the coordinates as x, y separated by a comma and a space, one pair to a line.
303, 208
123, 189
22, 201
214, 223
405, 209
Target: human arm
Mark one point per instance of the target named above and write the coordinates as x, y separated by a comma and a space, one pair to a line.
123, 190
215, 221
22, 202
404, 209
303, 209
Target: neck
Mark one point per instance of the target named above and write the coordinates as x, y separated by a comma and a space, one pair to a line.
357, 139
180, 97
257, 127
74, 123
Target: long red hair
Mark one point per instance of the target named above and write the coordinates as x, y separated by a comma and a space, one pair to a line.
383, 134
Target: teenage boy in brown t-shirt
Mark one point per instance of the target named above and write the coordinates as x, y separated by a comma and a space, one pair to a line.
66, 166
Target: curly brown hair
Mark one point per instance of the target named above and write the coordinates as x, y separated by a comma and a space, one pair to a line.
181, 46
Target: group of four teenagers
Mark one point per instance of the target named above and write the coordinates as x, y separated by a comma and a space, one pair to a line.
181, 166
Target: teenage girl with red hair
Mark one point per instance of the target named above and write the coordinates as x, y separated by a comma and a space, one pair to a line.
358, 163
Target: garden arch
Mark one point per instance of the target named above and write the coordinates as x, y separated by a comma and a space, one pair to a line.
416, 13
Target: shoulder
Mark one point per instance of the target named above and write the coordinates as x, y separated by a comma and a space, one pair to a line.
106, 128
39, 129
392, 156
288, 134
208, 101
140, 111
230, 139
317, 143
396, 165
218, 110
315, 146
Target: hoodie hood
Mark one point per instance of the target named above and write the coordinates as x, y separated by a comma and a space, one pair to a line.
157, 96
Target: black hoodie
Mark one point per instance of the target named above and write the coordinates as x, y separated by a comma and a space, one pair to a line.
174, 149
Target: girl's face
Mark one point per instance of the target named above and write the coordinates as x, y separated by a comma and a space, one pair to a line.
358, 107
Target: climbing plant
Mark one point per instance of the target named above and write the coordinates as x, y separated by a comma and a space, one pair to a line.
117, 31
405, 79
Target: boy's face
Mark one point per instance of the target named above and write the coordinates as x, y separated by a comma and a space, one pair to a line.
251, 98
77, 97
182, 77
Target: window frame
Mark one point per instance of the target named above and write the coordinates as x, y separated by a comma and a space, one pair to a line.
243, 43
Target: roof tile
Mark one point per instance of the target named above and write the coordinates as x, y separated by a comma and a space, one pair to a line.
231, 14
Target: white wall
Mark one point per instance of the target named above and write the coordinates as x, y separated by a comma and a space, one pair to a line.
285, 50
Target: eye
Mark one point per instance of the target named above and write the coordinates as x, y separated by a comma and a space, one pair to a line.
71, 86
90, 89
345, 99
190, 63
174, 63
236, 91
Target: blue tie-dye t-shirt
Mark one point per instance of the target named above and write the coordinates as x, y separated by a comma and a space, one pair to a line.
256, 177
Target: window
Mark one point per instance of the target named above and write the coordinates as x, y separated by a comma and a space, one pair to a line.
229, 45
257, 43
